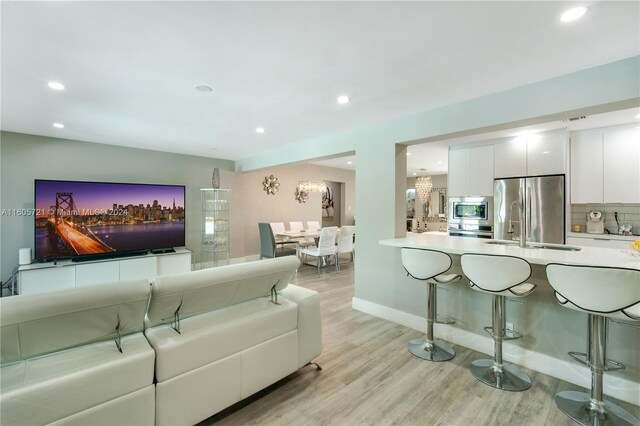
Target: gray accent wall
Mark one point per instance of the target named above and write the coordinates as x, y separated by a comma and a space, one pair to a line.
24, 158
27, 157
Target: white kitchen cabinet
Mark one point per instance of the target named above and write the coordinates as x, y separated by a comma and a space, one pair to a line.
605, 165
531, 155
621, 164
587, 167
510, 159
546, 153
470, 171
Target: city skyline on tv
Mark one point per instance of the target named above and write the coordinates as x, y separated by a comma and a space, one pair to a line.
94, 197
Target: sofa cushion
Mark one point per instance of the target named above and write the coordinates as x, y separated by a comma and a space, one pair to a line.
36, 324
51, 387
197, 292
214, 335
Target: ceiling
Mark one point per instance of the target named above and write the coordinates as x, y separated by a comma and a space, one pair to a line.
130, 68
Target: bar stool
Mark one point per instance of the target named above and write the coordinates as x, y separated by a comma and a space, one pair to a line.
602, 293
500, 276
430, 266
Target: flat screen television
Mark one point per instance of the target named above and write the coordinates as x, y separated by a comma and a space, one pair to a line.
90, 220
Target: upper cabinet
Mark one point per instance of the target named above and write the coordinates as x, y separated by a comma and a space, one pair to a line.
605, 165
531, 155
470, 171
586, 167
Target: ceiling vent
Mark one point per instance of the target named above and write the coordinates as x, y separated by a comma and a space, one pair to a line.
580, 117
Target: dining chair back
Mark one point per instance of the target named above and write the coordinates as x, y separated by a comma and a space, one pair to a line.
277, 227
326, 247
268, 243
295, 226
327, 242
313, 225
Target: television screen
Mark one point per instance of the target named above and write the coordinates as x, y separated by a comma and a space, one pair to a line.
97, 218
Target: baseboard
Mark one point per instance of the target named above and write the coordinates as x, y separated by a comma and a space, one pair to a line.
616, 387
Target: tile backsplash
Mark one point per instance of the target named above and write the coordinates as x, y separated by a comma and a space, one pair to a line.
627, 213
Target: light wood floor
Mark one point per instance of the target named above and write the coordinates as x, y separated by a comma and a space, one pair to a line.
369, 377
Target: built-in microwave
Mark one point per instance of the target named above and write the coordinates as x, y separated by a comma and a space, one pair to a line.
471, 217
471, 210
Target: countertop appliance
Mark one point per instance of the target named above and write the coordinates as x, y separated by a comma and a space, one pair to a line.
471, 217
595, 222
533, 205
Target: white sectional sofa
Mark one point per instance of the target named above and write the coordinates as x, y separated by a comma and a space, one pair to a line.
211, 338
61, 363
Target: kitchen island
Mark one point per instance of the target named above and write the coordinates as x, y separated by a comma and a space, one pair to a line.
549, 330
535, 254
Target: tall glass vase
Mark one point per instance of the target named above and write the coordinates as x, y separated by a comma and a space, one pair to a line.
215, 179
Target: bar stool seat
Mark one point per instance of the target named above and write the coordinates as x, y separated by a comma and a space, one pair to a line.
500, 276
430, 266
602, 293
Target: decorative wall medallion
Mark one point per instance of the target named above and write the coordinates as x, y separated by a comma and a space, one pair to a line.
270, 185
301, 196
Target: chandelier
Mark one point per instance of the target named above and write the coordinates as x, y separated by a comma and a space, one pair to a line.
424, 185
312, 186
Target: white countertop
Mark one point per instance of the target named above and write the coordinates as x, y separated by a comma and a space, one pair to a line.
604, 236
592, 256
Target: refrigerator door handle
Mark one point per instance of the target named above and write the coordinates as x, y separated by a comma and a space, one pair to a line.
529, 207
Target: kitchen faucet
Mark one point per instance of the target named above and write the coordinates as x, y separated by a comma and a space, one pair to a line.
523, 240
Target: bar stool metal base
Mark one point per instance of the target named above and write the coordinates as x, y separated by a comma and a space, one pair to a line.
576, 405
439, 351
510, 379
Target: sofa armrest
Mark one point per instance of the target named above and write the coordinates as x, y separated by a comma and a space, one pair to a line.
309, 322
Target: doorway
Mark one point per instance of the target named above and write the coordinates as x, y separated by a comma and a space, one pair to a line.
332, 204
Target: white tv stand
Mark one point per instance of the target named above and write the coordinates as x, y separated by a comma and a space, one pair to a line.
46, 277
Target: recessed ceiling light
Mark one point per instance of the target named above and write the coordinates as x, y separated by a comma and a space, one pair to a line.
58, 125
439, 162
343, 99
638, 116
203, 88
415, 174
573, 14
260, 130
546, 152
408, 153
55, 85
349, 162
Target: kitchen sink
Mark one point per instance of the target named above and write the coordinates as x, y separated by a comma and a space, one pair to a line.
535, 245
502, 243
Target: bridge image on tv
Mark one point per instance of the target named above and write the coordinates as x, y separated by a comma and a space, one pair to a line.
84, 218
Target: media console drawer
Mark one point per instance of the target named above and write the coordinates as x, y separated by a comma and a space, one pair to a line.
42, 278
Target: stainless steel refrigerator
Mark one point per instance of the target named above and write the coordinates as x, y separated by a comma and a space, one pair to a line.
542, 200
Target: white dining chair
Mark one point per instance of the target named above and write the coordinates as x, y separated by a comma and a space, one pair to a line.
305, 241
345, 242
313, 225
326, 247
295, 226
278, 228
